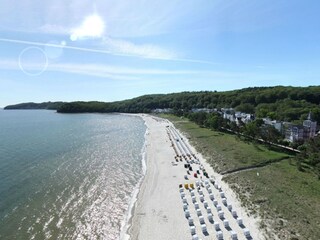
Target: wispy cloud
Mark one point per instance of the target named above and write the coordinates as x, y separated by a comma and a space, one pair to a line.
130, 73
81, 69
106, 21
93, 27
54, 29
137, 18
119, 46
124, 18
97, 70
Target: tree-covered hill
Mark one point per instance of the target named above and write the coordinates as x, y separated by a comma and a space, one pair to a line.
32, 105
281, 103
84, 107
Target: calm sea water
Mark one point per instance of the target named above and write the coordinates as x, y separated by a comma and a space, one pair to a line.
67, 176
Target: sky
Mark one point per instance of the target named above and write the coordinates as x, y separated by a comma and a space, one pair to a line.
113, 50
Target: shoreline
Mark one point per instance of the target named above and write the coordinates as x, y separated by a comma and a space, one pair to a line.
157, 211
127, 221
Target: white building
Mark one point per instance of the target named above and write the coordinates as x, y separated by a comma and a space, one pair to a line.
306, 131
276, 124
237, 117
162, 110
294, 133
310, 127
207, 110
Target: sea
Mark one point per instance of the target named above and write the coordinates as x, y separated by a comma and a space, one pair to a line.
68, 176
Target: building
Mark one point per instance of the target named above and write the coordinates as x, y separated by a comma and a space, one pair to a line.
207, 110
310, 128
300, 133
229, 116
162, 110
276, 124
237, 117
243, 117
294, 133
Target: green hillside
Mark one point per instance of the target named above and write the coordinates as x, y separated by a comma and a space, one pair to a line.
281, 103
32, 105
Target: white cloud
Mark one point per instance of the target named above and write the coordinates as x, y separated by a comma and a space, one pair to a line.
54, 29
142, 17
124, 18
85, 19
130, 73
92, 27
98, 70
119, 46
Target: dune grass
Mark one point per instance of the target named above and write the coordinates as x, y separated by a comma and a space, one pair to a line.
287, 200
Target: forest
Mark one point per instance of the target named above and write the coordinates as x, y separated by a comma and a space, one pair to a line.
32, 105
278, 103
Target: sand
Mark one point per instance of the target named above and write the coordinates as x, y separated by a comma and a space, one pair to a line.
158, 212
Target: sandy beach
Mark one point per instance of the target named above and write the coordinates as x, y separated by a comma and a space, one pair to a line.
164, 210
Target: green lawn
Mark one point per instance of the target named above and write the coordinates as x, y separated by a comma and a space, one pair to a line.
224, 151
286, 199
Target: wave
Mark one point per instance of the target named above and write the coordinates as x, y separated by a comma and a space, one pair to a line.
126, 223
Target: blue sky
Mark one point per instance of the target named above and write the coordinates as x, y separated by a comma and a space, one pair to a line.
113, 50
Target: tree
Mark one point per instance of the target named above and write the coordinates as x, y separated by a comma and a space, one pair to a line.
310, 154
199, 118
215, 121
270, 134
315, 113
251, 129
246, 108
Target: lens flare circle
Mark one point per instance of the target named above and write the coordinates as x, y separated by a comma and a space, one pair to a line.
33, 61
